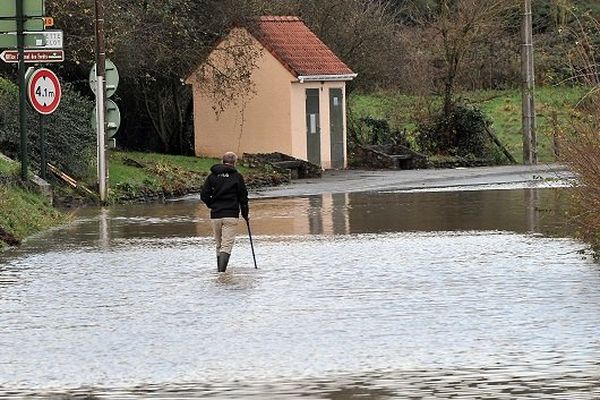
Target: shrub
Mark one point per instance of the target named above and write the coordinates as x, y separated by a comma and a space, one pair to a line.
374, 131
461, 132
70, 138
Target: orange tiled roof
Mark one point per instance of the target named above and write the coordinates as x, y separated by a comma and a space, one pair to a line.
296, 46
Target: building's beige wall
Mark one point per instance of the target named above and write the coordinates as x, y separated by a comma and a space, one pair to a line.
272, 119
259, 123
299, 145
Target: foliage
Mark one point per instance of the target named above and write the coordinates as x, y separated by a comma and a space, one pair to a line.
23, 213
155, 44
137, 176
420, 47
361, 32
373, 131
133, 174
580, 148
9, 171
70, 138
461, 132
554, 107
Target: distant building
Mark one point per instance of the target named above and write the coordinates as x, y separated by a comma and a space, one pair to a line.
299, 104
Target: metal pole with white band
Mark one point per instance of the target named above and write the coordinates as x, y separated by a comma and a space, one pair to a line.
100, 102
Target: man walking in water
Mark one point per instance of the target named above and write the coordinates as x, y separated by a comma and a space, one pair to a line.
225, 193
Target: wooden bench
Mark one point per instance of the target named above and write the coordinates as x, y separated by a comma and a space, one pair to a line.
399, 159
293, 167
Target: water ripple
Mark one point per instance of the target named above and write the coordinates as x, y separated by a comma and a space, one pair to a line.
147, 312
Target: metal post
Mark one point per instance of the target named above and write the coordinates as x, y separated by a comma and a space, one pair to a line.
22, 89
100, 101
42, 148
527, 69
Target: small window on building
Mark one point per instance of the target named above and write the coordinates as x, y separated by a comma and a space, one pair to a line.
313, 123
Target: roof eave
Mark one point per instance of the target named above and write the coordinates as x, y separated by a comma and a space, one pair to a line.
326, 78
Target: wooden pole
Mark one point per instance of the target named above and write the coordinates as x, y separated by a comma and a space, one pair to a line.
527, 69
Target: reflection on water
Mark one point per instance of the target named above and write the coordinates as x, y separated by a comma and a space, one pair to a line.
525, 210
379, 296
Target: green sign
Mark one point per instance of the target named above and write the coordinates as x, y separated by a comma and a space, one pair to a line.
31, 24
31, 8
32, 40
112, 116
111, 78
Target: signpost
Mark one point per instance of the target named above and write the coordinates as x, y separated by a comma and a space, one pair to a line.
100, 100
49, 39
19, 12
32, 39
111, 78
30, 8
25, 40
53, 39
112, 117
31, 24
33, 56
44, 91
44, 94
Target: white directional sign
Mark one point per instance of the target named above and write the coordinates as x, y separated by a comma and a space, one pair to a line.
34, 56
44, 91
53, 39
48, 39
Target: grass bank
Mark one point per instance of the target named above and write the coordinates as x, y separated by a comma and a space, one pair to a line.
554, 108
22, 212
134, 177
139, 177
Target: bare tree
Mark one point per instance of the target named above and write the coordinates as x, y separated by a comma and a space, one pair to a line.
457, 25
363, 33
154, 43
580, 146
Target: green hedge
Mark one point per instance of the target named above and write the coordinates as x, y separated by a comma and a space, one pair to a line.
70, 138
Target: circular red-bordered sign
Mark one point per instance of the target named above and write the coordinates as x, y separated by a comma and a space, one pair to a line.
44, 91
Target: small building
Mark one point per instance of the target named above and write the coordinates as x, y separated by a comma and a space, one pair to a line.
297, 105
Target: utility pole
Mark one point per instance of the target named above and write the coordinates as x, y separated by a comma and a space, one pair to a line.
22, 89
100, 102
528, 85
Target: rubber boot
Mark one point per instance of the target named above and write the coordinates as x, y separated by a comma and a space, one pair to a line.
223, 261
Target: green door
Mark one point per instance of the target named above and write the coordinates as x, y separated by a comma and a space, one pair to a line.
313, 128
336, 118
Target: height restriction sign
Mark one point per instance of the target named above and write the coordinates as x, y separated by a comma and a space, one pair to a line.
44, 91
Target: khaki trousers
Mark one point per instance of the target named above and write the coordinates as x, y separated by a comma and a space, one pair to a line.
224, 230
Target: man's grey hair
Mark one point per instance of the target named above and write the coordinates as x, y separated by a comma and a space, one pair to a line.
229, 158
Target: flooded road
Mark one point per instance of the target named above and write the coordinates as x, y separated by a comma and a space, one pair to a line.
381, 295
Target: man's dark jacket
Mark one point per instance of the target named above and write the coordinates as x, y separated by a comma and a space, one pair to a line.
225, 192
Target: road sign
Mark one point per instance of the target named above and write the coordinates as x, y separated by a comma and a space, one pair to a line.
112, 116
32, 39
111, 78
48, 22
34, 56
31, 24
53, 39
31, 8
44, 91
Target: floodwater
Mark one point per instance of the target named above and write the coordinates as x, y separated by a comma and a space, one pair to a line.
389, 295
